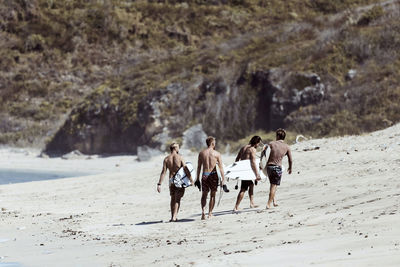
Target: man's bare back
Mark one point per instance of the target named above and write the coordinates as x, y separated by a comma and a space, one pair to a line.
173, 162
246, 153
278, 150
209, 159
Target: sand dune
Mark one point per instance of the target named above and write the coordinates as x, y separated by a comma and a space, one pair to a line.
339, 208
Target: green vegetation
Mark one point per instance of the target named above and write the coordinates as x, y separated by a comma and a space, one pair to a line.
234, 146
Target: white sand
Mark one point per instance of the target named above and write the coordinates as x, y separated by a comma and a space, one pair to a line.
339, 208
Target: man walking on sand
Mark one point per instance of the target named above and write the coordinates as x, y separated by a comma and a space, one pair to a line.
274, 164
173, 163
208, 160
248, 152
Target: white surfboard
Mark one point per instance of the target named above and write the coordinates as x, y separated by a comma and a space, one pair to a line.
180, 178
241, 170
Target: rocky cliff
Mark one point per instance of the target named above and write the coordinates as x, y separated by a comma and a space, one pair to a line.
110, 77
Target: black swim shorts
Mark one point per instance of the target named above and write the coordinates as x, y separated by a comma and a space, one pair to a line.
245, 185
274, 174
176, 191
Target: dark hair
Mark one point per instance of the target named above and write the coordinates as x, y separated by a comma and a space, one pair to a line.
255, 140
280, 134
209, 140
173, 146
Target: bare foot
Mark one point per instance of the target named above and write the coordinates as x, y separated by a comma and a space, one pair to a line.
276, 205
236, 210
253, 206
203, 216
210, 215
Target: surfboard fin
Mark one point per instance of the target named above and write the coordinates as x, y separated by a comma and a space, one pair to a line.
226, 190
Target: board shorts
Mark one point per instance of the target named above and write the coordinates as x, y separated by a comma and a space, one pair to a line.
245, 184
176, 191
209, 181
274, 174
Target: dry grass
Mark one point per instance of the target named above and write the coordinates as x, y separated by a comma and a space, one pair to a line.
51, 49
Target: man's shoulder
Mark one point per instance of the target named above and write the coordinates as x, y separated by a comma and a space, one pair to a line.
202, 151
177, 156
216, 153
249, 148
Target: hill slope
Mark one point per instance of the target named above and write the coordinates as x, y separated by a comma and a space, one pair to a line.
107, 77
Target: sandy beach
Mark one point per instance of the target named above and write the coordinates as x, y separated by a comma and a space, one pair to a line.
340, 207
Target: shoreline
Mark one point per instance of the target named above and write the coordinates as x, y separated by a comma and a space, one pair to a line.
339, 207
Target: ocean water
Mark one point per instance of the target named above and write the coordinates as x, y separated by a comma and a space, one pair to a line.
10, 176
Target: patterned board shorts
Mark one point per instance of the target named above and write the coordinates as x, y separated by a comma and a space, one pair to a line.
209, 182
274, 174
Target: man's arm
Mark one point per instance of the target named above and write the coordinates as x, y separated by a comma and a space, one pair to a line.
199, 165
253, 164
221, 168
163, 172
289, 154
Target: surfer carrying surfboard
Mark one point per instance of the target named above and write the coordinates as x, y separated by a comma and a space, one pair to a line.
208, 160
173, 163
248, 152
279, 149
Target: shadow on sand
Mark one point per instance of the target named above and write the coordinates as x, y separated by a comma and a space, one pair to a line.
148, 223
228, 212
161, 221
185, 220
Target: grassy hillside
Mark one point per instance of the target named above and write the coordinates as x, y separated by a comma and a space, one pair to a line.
55, 54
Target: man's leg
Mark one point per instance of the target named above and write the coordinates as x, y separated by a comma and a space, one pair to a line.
177, 204
203, 204
239, 199
251, 196
212, 203
179, 192
272, 191
172, 206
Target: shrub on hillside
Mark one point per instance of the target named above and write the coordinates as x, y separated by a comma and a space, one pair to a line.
371, 15
35, 42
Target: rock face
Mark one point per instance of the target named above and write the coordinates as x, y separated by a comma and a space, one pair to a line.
113, 121
100, 125
194, 137
293, 90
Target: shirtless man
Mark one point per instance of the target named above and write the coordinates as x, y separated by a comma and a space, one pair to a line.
248, 152
274, 165
173, 162
208, 159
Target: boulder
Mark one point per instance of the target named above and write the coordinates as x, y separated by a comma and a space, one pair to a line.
76, 154
351, 74
194, 138
145, 153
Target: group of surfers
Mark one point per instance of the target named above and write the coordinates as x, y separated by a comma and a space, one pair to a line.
208, 160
